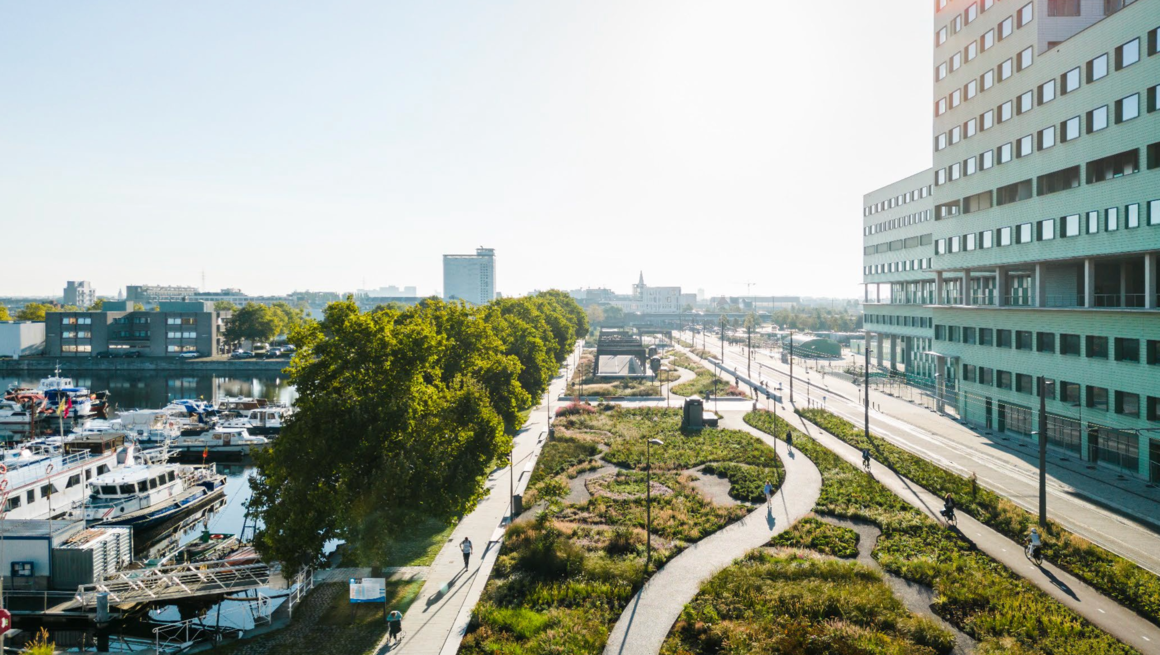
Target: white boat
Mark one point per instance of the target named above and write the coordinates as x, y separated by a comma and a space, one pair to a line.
143, 495
45, 482
220, 443
264, 421
13, 413
150, 426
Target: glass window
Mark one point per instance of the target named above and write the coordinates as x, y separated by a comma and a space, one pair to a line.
1071, 226
1127, 108
1132, 215
971, 127
1047, 138
988, 79
987, 119
986, 239
1127, 404
941, 71
1097, 68
1024, 233
1093, 222
972, 89
1005, 153
1003, 379
1025, 59
1097, 347
1004, 236
1097, 119
1047, 229
1005, 111
1069, 345
1069, 129
986, 336
1026, 102
972, 50
941, 36
1047, 92
1006, 69
1026, 146
987, 160
1127, 350
988, 40
1026, 13
971, 13
969, 166
1070, 80
1097, 398
1006, 27
1154, 212
956, 61
1112, 219
1128, 54
940, 142
956, 97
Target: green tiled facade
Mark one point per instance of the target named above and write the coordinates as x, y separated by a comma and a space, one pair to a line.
1060, 239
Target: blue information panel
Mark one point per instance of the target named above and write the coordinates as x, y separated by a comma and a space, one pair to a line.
368, 590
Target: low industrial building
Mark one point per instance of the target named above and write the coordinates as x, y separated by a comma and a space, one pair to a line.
174, 329
21, 338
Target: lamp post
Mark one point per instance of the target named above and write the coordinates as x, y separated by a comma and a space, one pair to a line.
791, 367
866, 394
1044, 385
648, 500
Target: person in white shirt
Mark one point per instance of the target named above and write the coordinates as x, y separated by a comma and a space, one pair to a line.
466, 547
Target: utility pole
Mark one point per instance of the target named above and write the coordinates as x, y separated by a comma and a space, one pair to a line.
791, 367
1042, 452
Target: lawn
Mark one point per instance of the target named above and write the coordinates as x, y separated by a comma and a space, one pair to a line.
791, 602
1113, 575
705, 384
975, 593
377, 546
814, 534
326, 623
563, 579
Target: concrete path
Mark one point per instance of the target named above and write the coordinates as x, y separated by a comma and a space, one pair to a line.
436, 621
1120, 515
1116, 620
650, 615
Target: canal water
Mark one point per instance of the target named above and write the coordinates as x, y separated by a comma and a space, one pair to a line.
151, 390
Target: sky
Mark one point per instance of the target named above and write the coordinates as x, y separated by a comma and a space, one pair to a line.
722, 145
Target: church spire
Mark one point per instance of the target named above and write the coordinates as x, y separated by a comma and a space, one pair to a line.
641, 283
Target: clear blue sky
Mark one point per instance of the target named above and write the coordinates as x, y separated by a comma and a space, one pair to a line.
293, 145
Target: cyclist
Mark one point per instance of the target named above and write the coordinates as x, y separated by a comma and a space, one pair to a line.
948, 511
866, 458
1034, 544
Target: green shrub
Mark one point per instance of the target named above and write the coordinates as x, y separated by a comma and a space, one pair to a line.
815, 534
1113, 575
746, 483
984, 599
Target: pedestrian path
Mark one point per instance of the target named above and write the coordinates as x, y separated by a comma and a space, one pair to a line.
437, 620
650, 614
1113, 618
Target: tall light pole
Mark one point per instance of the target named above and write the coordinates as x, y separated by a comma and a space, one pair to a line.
791, 367
866, 394
1043, 387
648, 501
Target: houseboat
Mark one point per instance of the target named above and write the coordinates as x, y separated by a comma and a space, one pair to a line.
144, 495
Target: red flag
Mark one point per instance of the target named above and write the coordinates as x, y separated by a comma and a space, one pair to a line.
205, 453
68, 405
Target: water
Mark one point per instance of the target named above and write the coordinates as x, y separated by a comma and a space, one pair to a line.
149, 390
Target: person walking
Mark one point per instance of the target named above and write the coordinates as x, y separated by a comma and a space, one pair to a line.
768, 492
789, 440
466, 547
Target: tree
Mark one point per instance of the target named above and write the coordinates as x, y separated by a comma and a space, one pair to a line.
613, 313
401, 415
4, 314
253, 322
595, 315
98, 305
224, 306
138, 307
33, 311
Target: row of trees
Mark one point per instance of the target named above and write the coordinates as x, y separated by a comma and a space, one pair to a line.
254, 322
36, 311
401, 414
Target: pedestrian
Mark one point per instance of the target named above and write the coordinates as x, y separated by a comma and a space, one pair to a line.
466, 547
768, 492
395, 624
788, 440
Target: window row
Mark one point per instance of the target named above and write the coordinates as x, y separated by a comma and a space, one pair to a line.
1121, 111
899, 321
76, 320
1099, 398
1048, 229
897, 267
1006, 27
895, 223
896, 201
899, 244
1126, 349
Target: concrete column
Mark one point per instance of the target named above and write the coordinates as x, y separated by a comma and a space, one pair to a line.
879, 348
938, 288
967, 300
1150, 260
1089, 282
877, 292
1001, 284
1124, 286
893, 352
1041, 285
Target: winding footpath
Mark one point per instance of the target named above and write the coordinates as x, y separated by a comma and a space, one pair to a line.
645, 623
1071, 592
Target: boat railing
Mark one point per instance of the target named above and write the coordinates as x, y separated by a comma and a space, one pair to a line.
25, 474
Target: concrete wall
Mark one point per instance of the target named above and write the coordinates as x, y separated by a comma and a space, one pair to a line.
21, 339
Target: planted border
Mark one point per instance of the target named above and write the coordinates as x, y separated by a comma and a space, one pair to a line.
1115, 576
980, 596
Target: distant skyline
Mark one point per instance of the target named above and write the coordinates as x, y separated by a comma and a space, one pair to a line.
283, 146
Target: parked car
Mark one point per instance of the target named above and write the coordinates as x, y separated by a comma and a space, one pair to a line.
133, 354
104, 354
193, 355
241, 354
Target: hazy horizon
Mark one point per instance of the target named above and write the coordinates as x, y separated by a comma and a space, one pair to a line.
286, 147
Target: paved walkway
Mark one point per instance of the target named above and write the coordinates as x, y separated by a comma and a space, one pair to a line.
436, 621
1117, 514
650, 615
1108, 615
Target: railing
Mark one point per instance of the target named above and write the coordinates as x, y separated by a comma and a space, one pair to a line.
38, 470
302, 585
176, 637
172, 582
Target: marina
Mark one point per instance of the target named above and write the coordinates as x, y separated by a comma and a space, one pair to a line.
124, 528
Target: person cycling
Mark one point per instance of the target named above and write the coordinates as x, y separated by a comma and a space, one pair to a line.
948, 511
866, 458
394, 624
1034, 544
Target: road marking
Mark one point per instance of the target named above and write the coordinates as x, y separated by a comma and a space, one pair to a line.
1101, 611
1145, 638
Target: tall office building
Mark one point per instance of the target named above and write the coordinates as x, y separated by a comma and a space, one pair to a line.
79, 293
1030, 248
470, 277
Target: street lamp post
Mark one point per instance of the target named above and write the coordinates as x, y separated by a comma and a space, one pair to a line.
866, 395
648, 501
1043, 387
791, 367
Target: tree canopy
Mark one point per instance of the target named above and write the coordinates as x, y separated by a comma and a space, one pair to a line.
33, 311
4, 314
401, 414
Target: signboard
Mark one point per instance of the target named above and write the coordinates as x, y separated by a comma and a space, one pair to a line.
5, 621
368, 590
